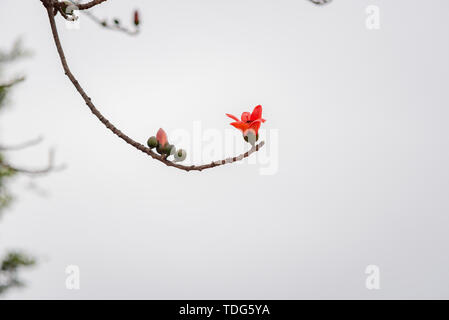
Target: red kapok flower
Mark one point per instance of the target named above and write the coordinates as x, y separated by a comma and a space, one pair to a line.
249, 121
161, 137
136, 18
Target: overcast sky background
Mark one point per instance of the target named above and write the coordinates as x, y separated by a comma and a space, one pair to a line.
360, 134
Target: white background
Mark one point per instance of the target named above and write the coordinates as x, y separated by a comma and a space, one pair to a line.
363, 155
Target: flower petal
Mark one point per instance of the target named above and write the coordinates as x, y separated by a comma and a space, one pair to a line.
161, 137
255, 125
257, 113
246, 116
240, 125
232, 117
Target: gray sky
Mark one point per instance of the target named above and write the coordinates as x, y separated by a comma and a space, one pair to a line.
357, 125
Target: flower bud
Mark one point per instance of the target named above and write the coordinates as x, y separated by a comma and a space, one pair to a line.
161, 137
152, 142
159, 149
168, 149
136, 18
180, 155
165, 150
68, 7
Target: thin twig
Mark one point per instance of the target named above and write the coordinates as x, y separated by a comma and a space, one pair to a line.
27, 171
114, 27
100, 22
12, 83
22, 145
49, 168
320, 2
90, 4
49, 6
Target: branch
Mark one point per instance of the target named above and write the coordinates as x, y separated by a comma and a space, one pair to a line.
47, 169
22, 145
12, 83
115, 27
90, 4
67, 13
16, 52
320, 2
50, 11
9, 268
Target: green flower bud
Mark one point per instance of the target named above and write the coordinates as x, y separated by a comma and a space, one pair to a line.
180, 155
168, 149
68, 7
165, 150
152, 142
160, 149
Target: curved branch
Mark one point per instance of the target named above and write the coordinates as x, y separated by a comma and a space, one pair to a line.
90, 4
320, 2
111, 27
49, 168
100, 22
12, 83
22, 145
119, 133
27, 171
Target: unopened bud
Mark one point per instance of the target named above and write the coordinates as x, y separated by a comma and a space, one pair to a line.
165, 150
136, 18
168, 149
68, 7
180, 155
152, 142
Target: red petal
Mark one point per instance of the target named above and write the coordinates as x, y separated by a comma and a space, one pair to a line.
240, 125
246, 116
257, 113
232, 117
161, 137
255, 125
